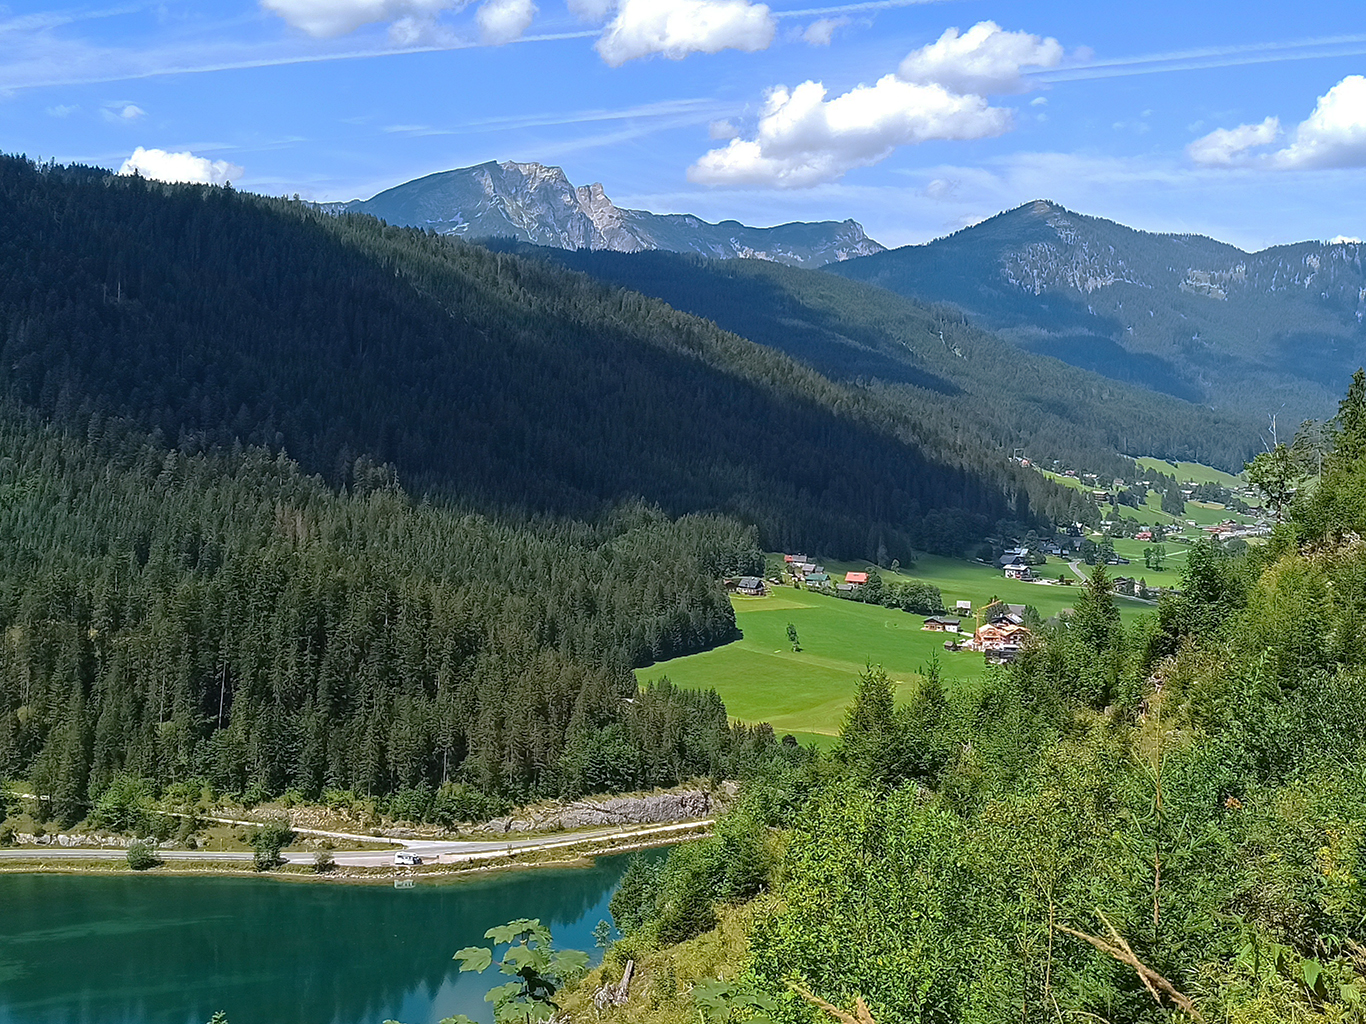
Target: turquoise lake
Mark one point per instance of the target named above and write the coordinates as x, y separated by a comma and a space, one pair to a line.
82, 949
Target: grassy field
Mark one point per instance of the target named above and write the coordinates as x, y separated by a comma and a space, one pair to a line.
805, 693
1191, 472
762, 679
1204, 514
1067, 481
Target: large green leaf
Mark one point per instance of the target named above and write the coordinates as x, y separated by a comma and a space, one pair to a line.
519, 958
503, 993
1312, 971
474, 958
566, 962
526, 926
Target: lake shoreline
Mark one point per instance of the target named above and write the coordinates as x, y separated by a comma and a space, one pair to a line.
529, 860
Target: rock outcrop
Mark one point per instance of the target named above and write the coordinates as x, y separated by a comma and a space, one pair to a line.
604, 812
538, 204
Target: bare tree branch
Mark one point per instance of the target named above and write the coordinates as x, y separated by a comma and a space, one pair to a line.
1152, 981
860, 1015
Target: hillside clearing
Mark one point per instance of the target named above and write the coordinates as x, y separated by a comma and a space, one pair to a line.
761, 679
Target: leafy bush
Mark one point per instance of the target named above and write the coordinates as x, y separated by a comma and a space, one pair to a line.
125, 805
267, 841
141, 857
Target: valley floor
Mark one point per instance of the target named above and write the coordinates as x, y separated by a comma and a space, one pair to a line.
805, 693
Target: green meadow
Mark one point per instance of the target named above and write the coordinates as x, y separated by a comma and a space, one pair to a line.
1191, 472
1203, 513
805, 692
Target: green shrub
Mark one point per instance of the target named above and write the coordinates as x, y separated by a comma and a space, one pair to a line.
125, 804
267, 842
141, 857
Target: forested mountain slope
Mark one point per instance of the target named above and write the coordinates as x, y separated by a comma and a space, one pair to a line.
930, 357
216, 318
1181, 314
226, 618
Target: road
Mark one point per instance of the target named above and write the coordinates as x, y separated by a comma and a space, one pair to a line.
431, 851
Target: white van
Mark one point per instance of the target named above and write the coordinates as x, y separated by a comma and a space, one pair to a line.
405, 859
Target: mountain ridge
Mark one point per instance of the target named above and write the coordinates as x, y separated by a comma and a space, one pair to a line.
538, 204
930, 356
1180, 313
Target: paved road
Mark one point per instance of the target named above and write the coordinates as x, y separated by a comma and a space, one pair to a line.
431, 852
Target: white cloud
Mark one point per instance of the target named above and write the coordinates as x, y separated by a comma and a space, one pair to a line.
804, 139
593, 11
940, 189
985, 60
62, 110
676, 28
1039, 101
120, 111
503, 21
1333, 136
819, 33
179, 167
939, 92
329, 18
412, 30
1224, 147
1344, 240
722, 130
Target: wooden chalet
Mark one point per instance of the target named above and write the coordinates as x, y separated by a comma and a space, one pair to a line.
942, 624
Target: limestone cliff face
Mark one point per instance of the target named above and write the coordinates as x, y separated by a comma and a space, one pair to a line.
604, 812
538, 204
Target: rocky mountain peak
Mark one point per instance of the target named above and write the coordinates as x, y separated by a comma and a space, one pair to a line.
537, 203
538, 175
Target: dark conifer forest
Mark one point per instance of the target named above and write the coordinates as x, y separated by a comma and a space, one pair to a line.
225, 617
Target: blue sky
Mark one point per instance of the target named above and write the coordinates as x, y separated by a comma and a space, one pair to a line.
1245, 121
